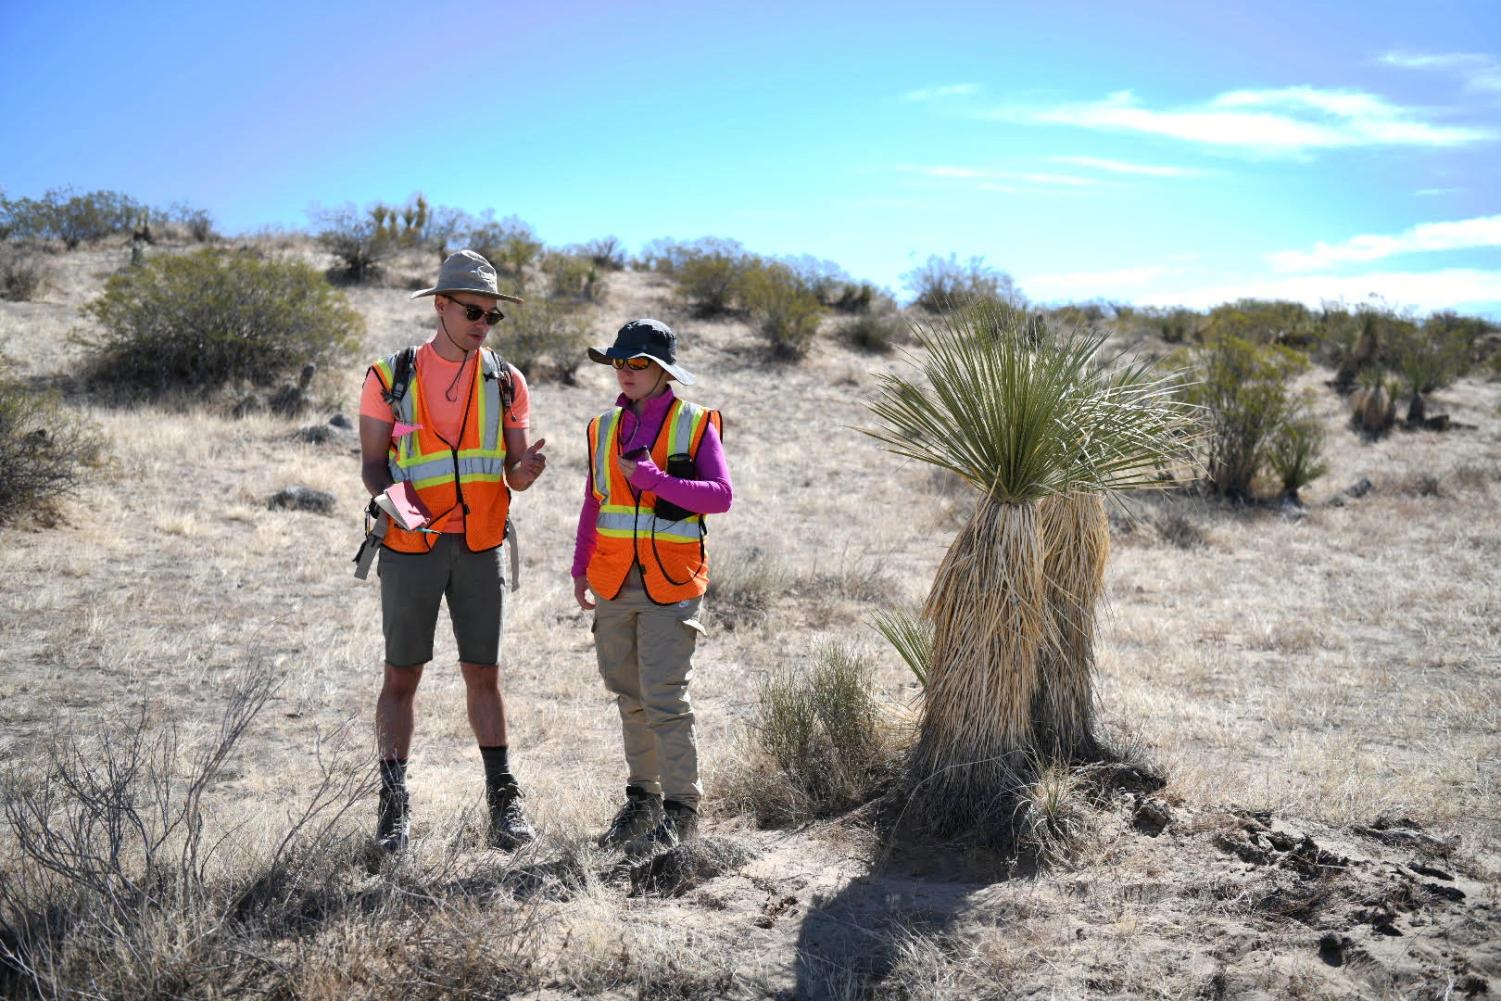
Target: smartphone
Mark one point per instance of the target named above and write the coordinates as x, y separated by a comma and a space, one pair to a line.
637, 454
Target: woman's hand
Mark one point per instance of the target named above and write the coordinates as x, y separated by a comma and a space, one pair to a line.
581, 593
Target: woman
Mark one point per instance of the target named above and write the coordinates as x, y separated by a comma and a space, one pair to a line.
656, 467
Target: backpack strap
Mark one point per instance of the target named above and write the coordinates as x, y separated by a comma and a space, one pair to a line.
495, 367
403, 369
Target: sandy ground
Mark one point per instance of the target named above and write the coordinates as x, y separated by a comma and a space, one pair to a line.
1302, 680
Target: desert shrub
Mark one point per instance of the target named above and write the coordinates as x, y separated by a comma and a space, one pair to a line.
941, 284
1243, 388
1178, 529
606, 253
876, 331
817, 742
663, 255
195, 223
545, 339
46, 452
1427, 358
574, 278
711, 275
72, 217
22, 272
743, 588
782, 308
1295, 454
122, 880
509, 244
1356, 342
1174, 325
1290, 324
358, 240
1076, 315
208, 319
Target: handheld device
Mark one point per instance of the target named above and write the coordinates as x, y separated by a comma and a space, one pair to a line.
679, 465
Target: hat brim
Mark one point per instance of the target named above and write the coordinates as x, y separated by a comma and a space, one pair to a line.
472, 291
604, 357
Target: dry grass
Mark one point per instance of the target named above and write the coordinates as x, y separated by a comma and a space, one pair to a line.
1328, 668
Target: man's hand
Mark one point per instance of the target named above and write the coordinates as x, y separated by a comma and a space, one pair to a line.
581, 593
525, 470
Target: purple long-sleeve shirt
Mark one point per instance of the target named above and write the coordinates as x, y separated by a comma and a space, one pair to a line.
711, 493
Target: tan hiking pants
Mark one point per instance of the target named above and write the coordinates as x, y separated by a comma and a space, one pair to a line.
645, 656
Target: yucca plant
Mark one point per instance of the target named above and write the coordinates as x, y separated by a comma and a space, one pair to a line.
1042, 430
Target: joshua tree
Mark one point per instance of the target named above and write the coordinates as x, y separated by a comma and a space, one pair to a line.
1043, 432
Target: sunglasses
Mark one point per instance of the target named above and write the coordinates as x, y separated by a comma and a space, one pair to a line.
473, 313
634, 364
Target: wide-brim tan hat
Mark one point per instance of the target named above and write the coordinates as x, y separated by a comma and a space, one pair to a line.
466, 271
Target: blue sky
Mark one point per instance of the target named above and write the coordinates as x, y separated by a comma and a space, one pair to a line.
1135, 152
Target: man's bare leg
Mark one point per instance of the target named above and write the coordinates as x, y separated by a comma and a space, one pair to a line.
487, 717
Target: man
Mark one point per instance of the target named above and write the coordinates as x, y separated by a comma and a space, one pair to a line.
451, 418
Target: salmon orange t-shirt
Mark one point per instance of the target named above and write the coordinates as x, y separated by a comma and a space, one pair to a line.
445, 386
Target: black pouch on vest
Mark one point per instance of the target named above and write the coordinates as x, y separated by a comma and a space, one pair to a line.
679, 465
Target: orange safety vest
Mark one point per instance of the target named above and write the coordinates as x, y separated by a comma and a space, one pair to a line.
468, 473
628, 532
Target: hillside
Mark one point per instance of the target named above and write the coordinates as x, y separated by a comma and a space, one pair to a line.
1321, 690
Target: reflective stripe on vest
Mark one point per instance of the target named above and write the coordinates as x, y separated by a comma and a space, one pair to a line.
430, 463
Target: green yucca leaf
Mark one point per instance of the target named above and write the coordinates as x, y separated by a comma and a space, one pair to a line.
912, 638
1022, 414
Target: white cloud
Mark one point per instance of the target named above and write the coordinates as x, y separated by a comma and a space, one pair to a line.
948, 90
1122, 167
1287, 120
1453, 288
1480, 72
1089, 284
1428, 237
1431, 192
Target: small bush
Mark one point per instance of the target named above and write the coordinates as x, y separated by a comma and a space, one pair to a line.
1175, 326
711, 275
22, 273
818, 746
1427, 358
574, 278
606, 253
63, 214
1357, 342
510, 245
1264, 322
46, 452
196, 223
357, 239
743, 588
942, 284
1243, 388
876, 331
206, 320
783, 309
1296, 454
545, 339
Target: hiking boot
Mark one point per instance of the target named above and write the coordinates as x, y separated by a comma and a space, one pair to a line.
641, 813
679, 823
509, 828
393, 821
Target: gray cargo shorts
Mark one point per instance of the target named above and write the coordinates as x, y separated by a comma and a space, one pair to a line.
411, 586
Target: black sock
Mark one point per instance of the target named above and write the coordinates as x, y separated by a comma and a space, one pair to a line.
393, 774
497, 768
